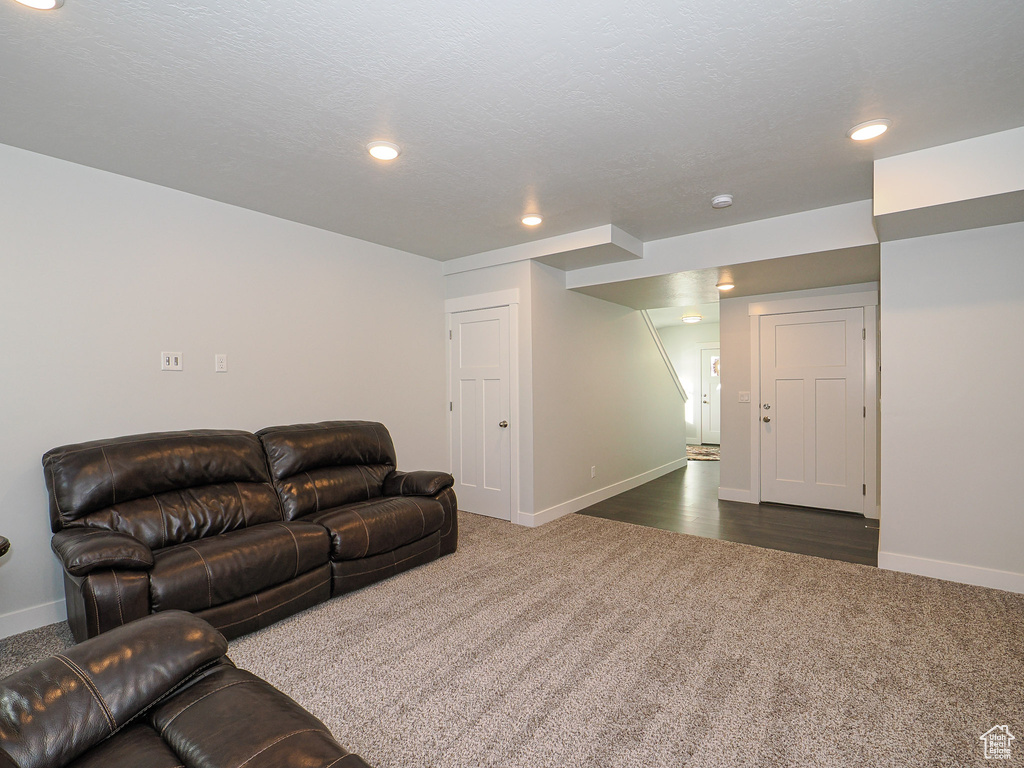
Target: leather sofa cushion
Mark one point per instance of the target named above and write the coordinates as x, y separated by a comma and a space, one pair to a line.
88, 477
378, 525
219, 569
84, 550
137, 745
58, 708
316, 467
176, 517
277, 731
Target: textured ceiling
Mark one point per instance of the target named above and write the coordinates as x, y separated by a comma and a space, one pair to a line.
595, 112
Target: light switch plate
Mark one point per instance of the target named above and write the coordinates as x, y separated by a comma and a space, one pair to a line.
744, 397
170, 361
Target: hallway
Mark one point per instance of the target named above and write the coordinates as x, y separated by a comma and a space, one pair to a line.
686, 501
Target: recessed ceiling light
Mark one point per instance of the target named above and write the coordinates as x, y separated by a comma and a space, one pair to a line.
868, 130
383, 150
691, 318
532, 219
725, 285
721, 201
42, 5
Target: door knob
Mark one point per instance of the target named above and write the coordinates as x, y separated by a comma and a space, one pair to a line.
705, 402
502, 424
766, 419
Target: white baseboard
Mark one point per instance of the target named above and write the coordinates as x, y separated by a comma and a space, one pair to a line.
964, 574
693, 441
582, 502
32, 618
737, 494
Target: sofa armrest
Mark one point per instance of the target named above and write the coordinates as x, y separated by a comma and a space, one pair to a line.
55, 710
83, 550
422, 483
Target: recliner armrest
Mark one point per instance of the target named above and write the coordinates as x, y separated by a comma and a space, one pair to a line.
421, 483
57, 709
83, 550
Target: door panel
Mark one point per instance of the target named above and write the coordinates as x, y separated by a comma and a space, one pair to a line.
812, 380
711, 397
481, 447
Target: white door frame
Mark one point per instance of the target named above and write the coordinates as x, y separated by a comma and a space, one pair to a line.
509, 298
701, 346
869, 301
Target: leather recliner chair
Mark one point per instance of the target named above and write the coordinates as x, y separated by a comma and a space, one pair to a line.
156, 693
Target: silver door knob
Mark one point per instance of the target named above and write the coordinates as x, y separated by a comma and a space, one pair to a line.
502, 424
766, 419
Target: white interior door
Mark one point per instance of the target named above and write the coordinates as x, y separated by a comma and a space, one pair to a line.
812, 409
711, 396
481, 453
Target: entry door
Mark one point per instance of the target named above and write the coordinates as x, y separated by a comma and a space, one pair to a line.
812, 409
711, 397
481, 444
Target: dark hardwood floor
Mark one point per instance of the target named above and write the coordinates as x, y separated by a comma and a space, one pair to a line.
686, 501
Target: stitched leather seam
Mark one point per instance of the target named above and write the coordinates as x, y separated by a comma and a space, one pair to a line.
295, 541
278, 741
366, 485
356, 513
335, 762
204, 696
163, 518
56, 501
95, 609
277, 605
423, 519
316, 493
117, 591
113, 488
92, 688
392, 565
209, 573
241, 500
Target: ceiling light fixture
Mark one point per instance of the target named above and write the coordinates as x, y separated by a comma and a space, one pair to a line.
869, 130
721, 201
691, 318
383, 150
532, 219
725, 285
42, 5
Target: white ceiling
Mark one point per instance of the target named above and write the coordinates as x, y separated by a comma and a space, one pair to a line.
596, 112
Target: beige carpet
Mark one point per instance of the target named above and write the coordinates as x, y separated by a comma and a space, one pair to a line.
593, 643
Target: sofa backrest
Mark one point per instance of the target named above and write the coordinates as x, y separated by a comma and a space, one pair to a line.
316, 467
163, 488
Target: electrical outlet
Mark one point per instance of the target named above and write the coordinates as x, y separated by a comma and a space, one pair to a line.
170, 361
220, 363
593, 472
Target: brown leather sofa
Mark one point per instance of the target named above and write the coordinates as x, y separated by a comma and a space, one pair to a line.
156, 693
239, 529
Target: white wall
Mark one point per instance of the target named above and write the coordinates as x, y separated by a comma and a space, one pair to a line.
602, 397
680, 342
952, 310
100, 273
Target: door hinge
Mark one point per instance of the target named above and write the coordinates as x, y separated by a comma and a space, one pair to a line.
864, 489
865, 411
449, 406
449, 335
864, 333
